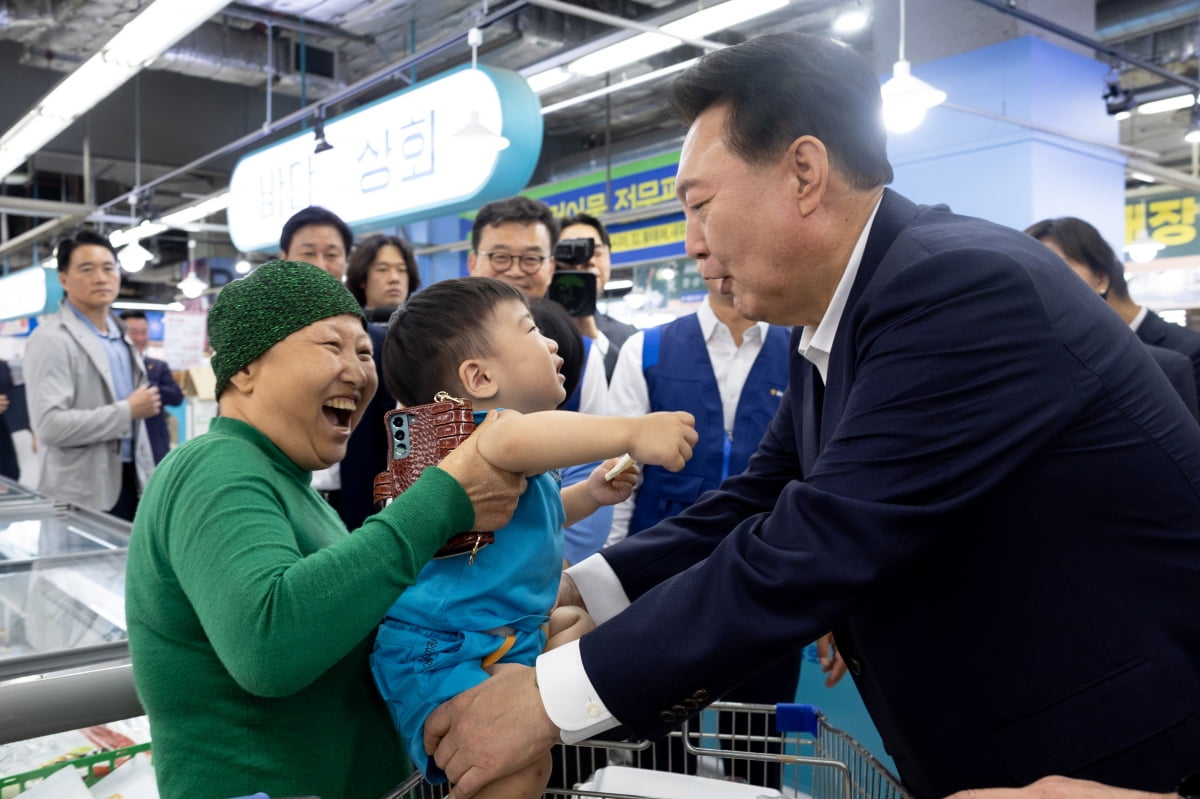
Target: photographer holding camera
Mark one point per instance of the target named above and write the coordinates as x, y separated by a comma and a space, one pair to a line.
584, 246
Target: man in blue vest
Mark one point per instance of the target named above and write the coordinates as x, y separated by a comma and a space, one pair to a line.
730, 373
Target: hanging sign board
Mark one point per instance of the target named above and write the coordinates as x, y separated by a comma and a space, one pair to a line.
401, 158
29, 292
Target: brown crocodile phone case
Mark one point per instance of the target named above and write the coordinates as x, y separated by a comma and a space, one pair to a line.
418, 437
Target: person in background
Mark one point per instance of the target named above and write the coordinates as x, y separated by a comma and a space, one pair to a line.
730, 373
960, 411
319, 237
250, 609
608, 333
1089, 256
87, 388
158, 373
513, 240
476, 339
9, 467
585, 392
381, 275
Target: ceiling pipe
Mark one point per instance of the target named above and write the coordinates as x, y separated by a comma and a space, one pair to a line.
1005, 7
621, 22
306, 112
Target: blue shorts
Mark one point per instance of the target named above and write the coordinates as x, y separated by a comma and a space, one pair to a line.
418, 669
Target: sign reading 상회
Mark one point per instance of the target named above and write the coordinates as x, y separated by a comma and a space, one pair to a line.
400, 158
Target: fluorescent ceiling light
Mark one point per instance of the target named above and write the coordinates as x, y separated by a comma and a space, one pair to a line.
616, 87
194, 213
139, 42
119, 238
693, 26
134, 305
852, 20
544, 81
1167, 104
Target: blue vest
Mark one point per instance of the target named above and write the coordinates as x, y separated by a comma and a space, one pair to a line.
679, 377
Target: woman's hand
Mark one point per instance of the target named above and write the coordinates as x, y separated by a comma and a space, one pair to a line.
493, 491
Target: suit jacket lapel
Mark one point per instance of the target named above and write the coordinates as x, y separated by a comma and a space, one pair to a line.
894, 214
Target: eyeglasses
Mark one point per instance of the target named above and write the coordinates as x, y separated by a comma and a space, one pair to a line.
503, 261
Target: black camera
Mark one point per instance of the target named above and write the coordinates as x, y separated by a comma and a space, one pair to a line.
574, 290
574, 253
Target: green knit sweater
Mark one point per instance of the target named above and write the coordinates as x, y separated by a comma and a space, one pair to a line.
251, 613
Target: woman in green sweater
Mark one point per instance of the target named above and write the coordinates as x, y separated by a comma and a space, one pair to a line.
250, 608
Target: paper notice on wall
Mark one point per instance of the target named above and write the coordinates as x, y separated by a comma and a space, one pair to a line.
184, 337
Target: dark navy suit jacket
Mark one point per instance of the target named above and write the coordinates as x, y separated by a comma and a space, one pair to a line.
994, 502
1153, 330
158, 373
1178, 369
366, 451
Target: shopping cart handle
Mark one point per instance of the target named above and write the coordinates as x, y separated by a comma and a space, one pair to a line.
791, 717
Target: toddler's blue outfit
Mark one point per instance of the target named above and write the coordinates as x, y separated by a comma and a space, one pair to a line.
431, 645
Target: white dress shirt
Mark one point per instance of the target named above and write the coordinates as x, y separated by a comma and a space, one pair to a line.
570, 700
628, 394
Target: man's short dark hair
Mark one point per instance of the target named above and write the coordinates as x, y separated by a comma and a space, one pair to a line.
132, 314
364, 255
314, 215
67, 246
555, 323
783, 86
523, 210
1081, 242
590, 221
433, 332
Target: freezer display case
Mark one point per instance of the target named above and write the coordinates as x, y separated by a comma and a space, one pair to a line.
63, 650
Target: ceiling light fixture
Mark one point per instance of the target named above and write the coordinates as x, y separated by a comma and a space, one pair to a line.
475, 134
243, 266
907, 98
197, 211
1143, 248
852, 19
139, 42
134, 257
1116, 99
643, 45
192, 284
1193, 132
1167, 104
319, 132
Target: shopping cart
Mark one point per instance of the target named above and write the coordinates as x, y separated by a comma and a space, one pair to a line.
812, 758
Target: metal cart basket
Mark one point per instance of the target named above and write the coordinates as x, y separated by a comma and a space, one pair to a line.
792, 743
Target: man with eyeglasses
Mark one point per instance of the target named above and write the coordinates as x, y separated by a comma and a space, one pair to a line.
512, 240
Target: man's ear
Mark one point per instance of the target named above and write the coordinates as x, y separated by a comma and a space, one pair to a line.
807, 162
476, 379
471, 258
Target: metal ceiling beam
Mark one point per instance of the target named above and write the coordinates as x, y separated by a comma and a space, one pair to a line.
299, 115
27, 206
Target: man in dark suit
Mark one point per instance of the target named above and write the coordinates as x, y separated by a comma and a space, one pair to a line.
1083, 249
158, 373
317, 236
978, 479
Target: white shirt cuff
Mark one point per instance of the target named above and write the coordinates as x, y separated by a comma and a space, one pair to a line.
599, 587
568, 696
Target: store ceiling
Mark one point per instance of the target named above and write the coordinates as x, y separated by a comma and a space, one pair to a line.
210, 89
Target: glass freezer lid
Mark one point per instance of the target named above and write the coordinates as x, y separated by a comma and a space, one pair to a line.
42, 531
15, 495
61, 603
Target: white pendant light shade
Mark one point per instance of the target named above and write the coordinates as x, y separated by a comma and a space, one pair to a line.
133, 257
906, 98
1142, 248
